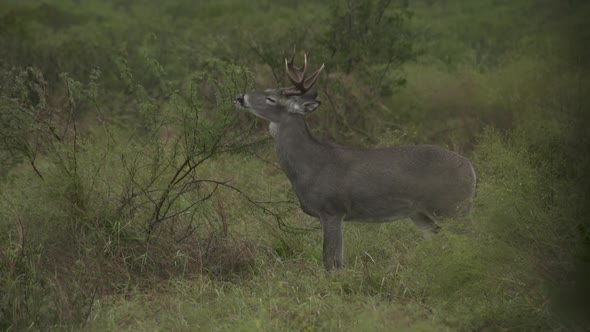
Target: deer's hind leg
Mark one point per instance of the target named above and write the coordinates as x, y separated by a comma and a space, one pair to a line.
333, 248
426, 223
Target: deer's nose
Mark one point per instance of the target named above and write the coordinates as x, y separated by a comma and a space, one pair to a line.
240, 99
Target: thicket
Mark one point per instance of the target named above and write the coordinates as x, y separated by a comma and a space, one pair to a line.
134, 195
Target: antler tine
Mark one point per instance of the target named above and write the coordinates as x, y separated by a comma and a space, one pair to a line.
291, 74
297, 75
304, 69
293, 54
310, 81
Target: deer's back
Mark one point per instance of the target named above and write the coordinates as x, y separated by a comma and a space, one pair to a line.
389, 182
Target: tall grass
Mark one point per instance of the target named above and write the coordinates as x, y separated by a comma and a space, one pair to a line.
135, 197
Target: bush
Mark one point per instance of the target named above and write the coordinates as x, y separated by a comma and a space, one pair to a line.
135, 196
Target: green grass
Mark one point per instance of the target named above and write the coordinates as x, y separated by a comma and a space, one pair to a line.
134, 196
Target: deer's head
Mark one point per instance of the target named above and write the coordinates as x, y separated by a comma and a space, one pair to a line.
276, 104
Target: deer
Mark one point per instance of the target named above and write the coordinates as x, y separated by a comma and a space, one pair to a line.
335, 183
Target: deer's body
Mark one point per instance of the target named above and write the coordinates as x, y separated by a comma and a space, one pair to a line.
336, 183
382, 184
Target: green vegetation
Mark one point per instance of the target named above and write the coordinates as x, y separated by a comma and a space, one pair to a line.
134, 196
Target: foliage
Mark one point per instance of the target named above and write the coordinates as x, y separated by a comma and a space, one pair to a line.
135, 196
364, 45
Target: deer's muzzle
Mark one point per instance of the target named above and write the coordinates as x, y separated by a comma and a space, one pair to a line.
239, 99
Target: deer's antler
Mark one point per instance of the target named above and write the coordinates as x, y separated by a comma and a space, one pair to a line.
301, 83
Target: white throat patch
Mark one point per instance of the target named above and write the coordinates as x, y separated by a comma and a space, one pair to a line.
273, 128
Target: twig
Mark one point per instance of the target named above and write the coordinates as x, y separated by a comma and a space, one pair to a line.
343, 119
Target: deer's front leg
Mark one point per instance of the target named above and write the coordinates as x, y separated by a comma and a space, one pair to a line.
333, 254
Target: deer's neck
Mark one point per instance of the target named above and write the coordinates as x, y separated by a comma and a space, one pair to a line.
297, 150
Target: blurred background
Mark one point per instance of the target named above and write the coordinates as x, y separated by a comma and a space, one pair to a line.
135, 196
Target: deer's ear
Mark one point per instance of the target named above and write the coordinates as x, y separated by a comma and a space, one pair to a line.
310, 106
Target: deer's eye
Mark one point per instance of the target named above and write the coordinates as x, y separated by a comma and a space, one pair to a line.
270, 100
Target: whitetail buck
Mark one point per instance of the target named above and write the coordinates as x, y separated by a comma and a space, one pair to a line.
336, 183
